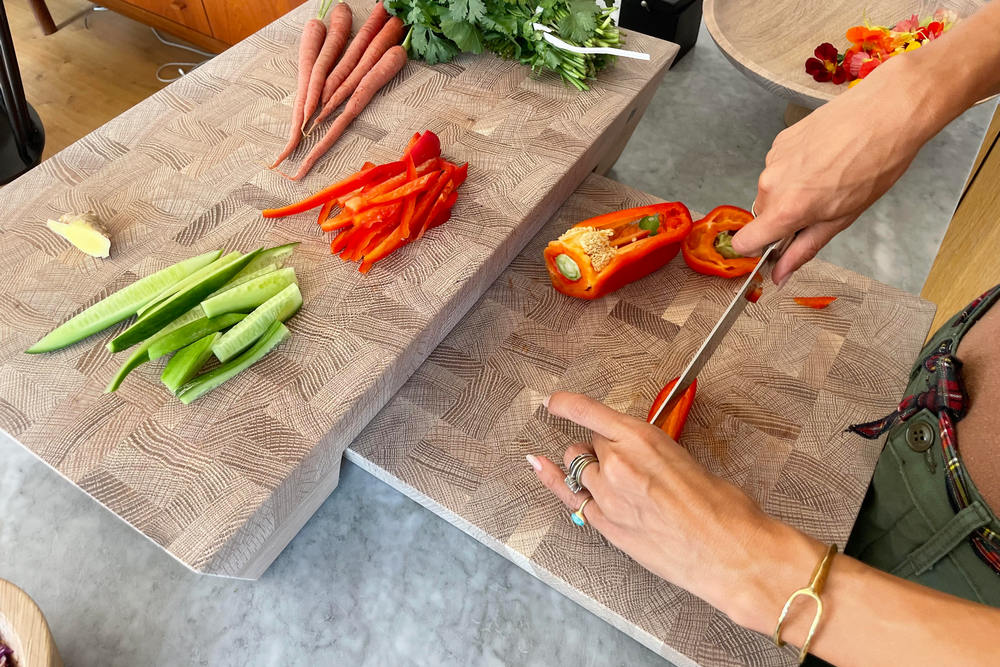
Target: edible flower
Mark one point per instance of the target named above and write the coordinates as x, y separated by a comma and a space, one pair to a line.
827, 65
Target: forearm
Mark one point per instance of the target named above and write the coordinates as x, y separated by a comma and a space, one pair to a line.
952, 73
869, 618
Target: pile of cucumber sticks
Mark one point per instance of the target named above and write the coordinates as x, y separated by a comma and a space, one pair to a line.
231, 306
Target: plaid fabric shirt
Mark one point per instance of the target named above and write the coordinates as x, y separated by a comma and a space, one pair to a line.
946, 397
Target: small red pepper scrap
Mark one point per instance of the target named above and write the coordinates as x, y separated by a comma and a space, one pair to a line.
600, 255
674, 423
756, 289
384, 207
708, 249
817, 302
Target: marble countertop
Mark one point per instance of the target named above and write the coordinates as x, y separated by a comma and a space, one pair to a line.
374, 578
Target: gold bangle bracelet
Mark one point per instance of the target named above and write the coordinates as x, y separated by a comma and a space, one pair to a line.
813, 590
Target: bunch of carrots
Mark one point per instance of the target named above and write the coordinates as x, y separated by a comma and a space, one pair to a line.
373, 58
383, 207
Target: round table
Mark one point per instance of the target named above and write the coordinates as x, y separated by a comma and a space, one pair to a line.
770, 41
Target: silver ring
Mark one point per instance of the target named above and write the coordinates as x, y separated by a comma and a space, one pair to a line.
753, 208
576, 467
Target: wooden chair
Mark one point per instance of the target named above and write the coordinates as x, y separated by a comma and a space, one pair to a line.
42, 15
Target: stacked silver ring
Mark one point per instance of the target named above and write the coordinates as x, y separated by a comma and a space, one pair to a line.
576, 467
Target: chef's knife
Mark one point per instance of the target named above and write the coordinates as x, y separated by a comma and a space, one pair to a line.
725, 323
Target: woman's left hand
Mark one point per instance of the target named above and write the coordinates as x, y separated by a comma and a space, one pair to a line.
654, 501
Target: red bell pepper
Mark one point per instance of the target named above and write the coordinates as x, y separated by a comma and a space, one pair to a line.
427, 146
597, 256
376, 174
708, 248
674, 423
817, 302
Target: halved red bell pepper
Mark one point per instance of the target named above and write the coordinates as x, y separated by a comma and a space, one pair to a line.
362, 178
708, 248
674, 423
598, 256
817, 302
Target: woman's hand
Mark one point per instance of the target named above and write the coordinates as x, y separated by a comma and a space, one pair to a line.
654, 501
825, 170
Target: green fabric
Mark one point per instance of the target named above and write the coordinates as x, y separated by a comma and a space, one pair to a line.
907, 525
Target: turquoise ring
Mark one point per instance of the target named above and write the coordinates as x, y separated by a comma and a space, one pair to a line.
578, 518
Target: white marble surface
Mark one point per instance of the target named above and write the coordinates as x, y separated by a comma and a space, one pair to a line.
373, 578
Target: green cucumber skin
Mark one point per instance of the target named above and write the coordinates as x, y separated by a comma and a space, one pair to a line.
119, 306
244, 277
191, 332
276, 255
244, 298
279, 307
141, 354
203, 384
190, 359
187, 282
169, 309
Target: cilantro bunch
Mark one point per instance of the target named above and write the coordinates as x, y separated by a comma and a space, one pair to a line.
441, 29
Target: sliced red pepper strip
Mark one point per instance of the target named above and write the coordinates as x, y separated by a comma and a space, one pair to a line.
674, 423
339, 221
324, 212
817, 302
410, 143
441, 203
756, 289
625, 263
415, 186
699, 247
409, 203
428, 198
444, 214
364, 199
377, 214
340, 240
353, 182
427, 146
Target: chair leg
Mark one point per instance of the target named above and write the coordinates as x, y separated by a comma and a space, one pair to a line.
42, 15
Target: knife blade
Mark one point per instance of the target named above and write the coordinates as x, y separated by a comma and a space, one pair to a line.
718, 333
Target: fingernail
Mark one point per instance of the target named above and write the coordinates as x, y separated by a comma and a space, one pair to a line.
545, 402
535, 463
782, 282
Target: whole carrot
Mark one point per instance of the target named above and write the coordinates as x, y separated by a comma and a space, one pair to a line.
353, 54
313, 34
390, 35
336, 38
387, 67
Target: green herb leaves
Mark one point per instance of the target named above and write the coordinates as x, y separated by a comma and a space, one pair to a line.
441, 29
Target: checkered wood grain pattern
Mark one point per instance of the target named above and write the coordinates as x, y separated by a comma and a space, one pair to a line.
224, 483
769, 416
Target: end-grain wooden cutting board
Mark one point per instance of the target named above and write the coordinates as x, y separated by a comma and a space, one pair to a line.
225, 483
769, 416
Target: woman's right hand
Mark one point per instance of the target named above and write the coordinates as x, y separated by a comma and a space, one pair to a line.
825, 170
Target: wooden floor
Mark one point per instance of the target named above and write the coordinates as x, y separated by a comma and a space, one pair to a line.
79, 78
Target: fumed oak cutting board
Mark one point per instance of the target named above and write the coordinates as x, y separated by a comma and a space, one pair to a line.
769, 416
225, 483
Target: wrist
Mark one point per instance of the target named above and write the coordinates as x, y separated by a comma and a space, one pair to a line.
781, 562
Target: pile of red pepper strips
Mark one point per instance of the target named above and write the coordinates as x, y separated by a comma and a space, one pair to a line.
384, 207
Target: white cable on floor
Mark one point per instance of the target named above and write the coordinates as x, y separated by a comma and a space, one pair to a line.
179, 65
